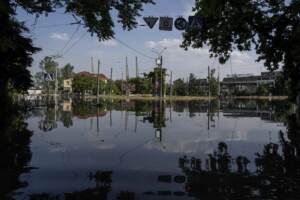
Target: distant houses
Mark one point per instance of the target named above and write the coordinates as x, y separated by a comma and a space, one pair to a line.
68, 83
102, 77
247, 83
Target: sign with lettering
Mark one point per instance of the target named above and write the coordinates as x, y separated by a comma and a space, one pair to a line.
150, 21
166, 23
181, 24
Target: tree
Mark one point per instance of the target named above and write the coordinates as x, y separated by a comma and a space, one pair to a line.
67, 71
193, 85
213, 83
81, 84
39, 78
272, 28
142, 85
17, 48
48, 65
263, 90
179, 87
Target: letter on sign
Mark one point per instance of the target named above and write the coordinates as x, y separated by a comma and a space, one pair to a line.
166, 23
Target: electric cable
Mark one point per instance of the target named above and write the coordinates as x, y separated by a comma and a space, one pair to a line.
133, 49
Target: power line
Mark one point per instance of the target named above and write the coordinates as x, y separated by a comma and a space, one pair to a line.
57, 25
72, 36
133, 49
76, 42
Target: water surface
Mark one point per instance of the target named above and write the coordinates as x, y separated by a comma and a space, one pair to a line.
155, 150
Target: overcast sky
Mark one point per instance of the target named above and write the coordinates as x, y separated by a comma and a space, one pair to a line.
112, 53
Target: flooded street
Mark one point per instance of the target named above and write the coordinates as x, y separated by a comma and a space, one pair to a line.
152, 149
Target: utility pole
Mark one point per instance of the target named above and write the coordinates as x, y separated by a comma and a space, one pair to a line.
159, 62
92, 64
122, 83
161, 77
208, 81
219, 83
56, 83
55, 95
136, 67
110, 83
171, 84
127, 77
98, 82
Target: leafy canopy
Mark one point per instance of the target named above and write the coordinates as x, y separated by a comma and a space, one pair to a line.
17, 48
271, 27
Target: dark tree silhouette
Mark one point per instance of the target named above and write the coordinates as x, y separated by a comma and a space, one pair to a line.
277, 173
14, 150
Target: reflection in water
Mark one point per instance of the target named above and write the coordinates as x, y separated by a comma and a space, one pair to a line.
14, 150
157, 118
277, 175
176, 172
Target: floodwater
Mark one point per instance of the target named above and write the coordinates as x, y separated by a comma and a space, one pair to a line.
156, 150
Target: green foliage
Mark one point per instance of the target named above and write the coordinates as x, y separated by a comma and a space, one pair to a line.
263, 90
48, 65
270, 27
17, 49
281, 86
85, 84
15, 52
156, 76
67, 71
195, 86
81, 84
39, 78
142, 85
179, 87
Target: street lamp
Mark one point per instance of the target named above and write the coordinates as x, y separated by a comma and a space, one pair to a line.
159, 62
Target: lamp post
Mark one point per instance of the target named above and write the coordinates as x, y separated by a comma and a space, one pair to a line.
159, 62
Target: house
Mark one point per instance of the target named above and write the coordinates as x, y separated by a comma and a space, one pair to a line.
102, 77
68, 85
247, 82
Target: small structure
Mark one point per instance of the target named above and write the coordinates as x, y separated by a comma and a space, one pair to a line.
34, 93
68, 85
67, 105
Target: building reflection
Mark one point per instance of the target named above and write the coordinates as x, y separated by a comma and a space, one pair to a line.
219, 175
157, 118
154, 112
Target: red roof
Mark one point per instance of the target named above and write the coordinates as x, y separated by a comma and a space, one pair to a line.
88, 74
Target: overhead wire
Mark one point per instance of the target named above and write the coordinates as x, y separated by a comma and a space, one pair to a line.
71, 38
74, 44
57, 25
133, 49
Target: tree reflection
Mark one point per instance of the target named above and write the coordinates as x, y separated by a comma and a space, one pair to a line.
277, 174
49, 119
103, 180
14, 150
